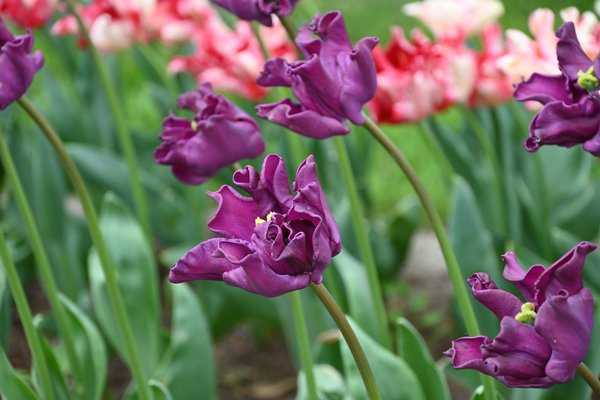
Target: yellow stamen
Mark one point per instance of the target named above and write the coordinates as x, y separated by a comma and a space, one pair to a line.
194, 125
587, 80
259, 221
527, 313
270, 216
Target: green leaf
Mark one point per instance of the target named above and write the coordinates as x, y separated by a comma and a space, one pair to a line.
472, 244
330, 384
159, 390
188, 367
395, 379
360, 302
91, 351
479, 394
414, 351
12, 386
56, 375
137, 281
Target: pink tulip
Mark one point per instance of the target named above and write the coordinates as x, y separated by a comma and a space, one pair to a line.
28, 13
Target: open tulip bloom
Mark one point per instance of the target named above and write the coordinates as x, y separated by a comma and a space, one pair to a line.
258, 10
270, 243
571, 100
18, 65
542, 340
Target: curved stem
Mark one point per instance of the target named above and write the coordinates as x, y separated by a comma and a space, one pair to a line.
355, 348
123, 135
291, 30
45, 271
306, 358
31, 334
362, 238
437, 225
589, 378
108, 267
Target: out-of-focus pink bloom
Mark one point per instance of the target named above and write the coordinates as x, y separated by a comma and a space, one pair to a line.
452, 17
231, 59
525, 55
28, 13
492, 86
418, 77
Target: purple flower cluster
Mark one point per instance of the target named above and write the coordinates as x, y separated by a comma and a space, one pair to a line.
332, 84
18, 65
258, 10
219, 135
272, 242
542, 341
571, 100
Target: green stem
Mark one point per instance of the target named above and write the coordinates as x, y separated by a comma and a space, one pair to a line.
291, 30
108, 267
44, 269
437, 225
31, 334
123, 135
304, 344
488, 149
355, 348
589, 378
362, 237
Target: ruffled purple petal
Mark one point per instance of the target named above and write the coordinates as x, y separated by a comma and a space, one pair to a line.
331, 29
566, 322
565, 276
544, 89
301, 120
571, 57
200, 264
246, 9
500, 302
524, 281
235, 216
275, 73
466, 353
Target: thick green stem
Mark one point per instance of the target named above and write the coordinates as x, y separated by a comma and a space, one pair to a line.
306, 358
437, 225
34, 341
362, 238
123, 135
355, 348
589, 378
108, 267
44, 269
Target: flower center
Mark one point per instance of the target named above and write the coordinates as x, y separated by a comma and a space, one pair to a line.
258, 221
587, 80
194, 125
527, 315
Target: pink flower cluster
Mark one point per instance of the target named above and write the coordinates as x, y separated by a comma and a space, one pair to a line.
28, 13
419, 76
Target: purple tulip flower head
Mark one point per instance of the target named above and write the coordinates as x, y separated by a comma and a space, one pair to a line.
272, 242
18, 65
332, 84
219, 135
542, 340
571, 100
258, 10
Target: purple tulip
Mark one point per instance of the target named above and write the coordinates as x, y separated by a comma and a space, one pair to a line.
542, 341
258, 10
219, 135
332, 84
571, 101
270, 243
18, 65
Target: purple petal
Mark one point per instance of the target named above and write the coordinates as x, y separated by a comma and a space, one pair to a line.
246, 9
525, 282
275, 73
544, 88
199, 264
565, 275
466, 353
235, 216
566, 323
331, 29
256, 277
500, 302
301, 120
564, 124
517, 352
571, 57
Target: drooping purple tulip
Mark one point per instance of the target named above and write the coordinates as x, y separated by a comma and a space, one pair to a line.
542, 340
258, 10
18, 65
571, 100
332, 84
219, 135
272, 242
